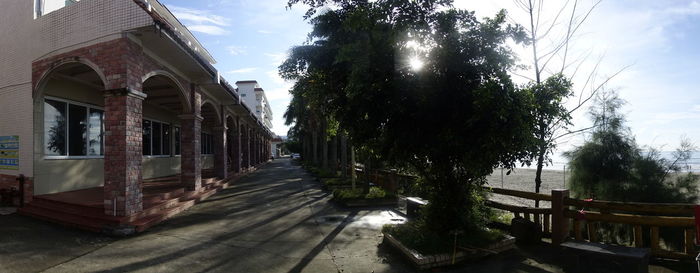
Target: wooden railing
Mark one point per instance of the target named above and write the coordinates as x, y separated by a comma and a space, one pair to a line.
540, 216
640, 216
555, 221
388, 180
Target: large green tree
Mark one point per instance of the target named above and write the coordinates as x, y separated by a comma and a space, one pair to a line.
423, 85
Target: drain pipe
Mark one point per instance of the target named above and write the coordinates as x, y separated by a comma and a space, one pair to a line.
114, 207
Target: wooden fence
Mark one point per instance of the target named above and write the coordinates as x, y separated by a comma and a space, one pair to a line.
568, 217
555, 221
388, 180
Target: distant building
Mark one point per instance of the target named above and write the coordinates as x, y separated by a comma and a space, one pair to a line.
254, 97
276, 146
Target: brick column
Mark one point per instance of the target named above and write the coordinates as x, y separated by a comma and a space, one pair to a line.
220, 159
191, 159
256, 149
237, 147
123, 152
245, 153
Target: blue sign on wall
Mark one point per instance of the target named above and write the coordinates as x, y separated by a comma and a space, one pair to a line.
9, 152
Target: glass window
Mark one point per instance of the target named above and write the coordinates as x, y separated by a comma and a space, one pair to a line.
47, 6
54, 127
95, 132
166, 139
202, 143
157, 137
77, 129
206, 143
71, 129
146, 137
177, 140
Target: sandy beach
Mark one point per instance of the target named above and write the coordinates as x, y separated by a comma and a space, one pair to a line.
524, 180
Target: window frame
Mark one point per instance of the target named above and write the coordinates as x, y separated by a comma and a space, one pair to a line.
161, 135
87, 106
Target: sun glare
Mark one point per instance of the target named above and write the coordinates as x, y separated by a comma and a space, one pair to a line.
415, 63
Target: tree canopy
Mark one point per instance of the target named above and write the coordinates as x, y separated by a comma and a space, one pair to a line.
421, 84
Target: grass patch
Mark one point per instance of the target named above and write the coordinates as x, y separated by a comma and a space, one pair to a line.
500, 216
337, 181
350, 194
417, 236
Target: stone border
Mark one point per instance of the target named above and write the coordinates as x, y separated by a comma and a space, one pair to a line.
443, 259
369, 202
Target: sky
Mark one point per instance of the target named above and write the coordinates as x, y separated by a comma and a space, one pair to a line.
656, 42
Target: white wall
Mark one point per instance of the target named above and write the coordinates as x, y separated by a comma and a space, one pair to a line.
26, 39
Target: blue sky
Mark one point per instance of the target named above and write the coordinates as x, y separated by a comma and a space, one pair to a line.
658, 40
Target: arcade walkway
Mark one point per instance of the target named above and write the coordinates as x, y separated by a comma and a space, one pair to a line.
276, 219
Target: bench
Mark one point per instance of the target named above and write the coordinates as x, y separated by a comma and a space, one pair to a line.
413, 206
595, 257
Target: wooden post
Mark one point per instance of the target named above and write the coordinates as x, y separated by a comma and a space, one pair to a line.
689, 242
560, 224
654, 238
638, 236
592, 235
577, 230
546, 222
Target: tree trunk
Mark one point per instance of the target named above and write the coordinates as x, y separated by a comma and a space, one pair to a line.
333, 157
314, 139
344, 155
538, 175
324, 148
353, 174
367, 170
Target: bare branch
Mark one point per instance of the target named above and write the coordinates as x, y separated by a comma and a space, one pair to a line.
523, 76
598, 88
568, 35
571, 133
556, 19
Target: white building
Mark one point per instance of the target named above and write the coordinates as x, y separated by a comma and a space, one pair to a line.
254, 97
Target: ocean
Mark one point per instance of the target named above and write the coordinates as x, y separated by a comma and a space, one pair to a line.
559, 162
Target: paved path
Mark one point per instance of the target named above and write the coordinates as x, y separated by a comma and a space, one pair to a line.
274, 220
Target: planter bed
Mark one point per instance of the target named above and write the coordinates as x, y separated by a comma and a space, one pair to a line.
336, 187
436, 260
369, 202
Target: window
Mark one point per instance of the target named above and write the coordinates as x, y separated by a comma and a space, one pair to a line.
242, 95
46, 6
156, 138
72, 129
166, 139
206, 142
177, 140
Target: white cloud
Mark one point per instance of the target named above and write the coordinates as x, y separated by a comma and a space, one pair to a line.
203, 21
242, 70
262, 31
277, 58
208, 29
198, 16
237, 50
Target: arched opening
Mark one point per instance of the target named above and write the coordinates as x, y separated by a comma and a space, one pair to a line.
166, 100
211, 124
232, 146
69, 128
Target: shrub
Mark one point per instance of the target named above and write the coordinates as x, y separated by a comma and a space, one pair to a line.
374, 193
417, 236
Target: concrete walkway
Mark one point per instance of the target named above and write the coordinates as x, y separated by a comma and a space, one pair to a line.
274, 220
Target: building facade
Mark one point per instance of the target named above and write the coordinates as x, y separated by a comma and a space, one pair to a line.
109, 93
254, 97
